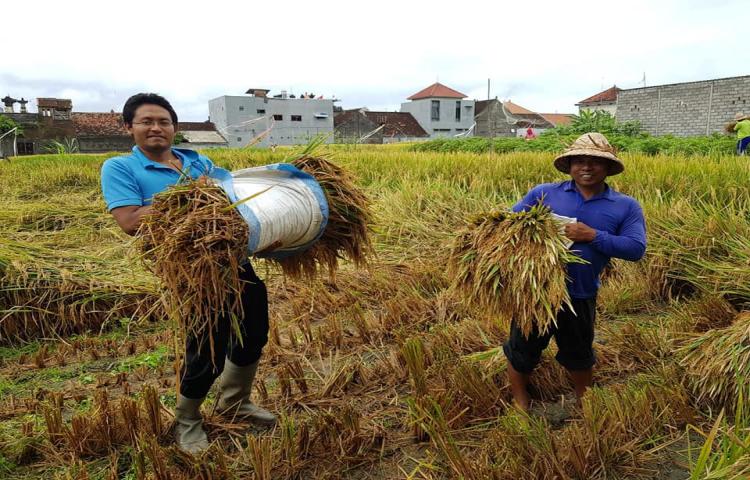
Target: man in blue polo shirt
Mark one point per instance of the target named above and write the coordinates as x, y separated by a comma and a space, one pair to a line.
129, 184
609, 224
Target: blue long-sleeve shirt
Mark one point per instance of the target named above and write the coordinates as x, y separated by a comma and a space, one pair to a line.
616, 217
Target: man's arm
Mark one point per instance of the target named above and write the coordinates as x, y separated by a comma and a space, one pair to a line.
529, 200
129, 217
630, 241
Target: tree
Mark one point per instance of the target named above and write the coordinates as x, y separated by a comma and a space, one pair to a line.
602, 122
8, 124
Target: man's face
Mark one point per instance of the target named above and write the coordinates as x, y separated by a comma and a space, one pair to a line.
152, 128
588, 171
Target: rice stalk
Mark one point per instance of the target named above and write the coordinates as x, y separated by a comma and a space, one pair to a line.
717, 363
347, 233
195, 243
514, 264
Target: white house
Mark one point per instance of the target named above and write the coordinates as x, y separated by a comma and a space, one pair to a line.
441, 111
284, 119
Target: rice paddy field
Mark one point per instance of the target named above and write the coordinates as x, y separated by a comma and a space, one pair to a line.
385, 372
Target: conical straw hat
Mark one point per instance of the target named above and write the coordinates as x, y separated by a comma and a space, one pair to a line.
591, 144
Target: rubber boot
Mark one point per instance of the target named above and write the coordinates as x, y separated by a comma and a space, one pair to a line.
235, 385
188, 429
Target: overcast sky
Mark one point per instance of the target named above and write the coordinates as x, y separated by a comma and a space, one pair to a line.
543, 55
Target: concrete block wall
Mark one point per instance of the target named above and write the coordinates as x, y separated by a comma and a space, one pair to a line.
686, 109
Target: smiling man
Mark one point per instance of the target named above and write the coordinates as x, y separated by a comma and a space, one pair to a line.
129, 184
609, 224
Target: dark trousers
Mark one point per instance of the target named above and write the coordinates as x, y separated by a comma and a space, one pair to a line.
199, 368
742, 145
574, 335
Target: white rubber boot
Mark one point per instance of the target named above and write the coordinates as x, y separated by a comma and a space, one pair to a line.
188, 430
235, 385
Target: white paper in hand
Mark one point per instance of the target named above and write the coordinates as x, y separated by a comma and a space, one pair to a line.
562, 221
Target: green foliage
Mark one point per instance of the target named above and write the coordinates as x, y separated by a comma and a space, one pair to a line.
179, 137
8, 124
599, 121
68, 145
553, 141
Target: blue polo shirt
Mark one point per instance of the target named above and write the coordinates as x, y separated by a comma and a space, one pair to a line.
135, 179
617, 219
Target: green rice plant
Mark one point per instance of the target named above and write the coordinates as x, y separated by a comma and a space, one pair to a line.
725, 454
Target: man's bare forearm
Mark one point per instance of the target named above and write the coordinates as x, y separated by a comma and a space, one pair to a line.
129, 218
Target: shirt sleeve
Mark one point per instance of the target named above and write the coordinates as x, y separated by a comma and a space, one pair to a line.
630, 241
208, 165
119, 186
529, 200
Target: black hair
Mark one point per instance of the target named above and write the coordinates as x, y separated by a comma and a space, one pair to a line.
132, 104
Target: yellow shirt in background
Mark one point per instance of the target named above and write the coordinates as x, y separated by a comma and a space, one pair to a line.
743, 129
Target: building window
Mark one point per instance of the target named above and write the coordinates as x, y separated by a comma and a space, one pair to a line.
242, 109
435, 111
25, 148
261, 111
239, 139
296, 118
278, 117
458, 111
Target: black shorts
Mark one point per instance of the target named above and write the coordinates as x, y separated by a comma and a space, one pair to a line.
574, 335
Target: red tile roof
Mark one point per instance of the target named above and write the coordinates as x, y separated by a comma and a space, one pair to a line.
196, 127
95, 124
516, 109
111, 124
63, 103
606, 96
558, 118
397, 124
437, 90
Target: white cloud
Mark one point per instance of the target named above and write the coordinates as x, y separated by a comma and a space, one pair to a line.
545, 55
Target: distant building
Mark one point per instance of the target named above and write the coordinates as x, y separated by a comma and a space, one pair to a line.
680, 109
558, 119
491, 119
441, 111
685, 109
283, 119
200, 136
95, 132
605, 100
363, 126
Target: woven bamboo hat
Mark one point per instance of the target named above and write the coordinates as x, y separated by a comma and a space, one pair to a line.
739, 116
590, 145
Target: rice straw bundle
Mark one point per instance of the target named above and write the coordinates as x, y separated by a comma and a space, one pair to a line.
718, 362
48, 292
346, 235
729, 127
194, 242
515, 265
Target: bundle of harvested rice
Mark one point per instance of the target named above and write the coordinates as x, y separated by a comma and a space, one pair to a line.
48, 292
194, 242
346, 235
717, 363
515, 265
729, 127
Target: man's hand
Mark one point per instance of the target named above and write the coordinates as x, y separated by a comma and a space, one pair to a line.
580, 232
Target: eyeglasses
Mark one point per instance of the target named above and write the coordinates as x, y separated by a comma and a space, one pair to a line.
148, 123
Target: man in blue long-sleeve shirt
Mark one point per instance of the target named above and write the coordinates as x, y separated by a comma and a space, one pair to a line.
609, 224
